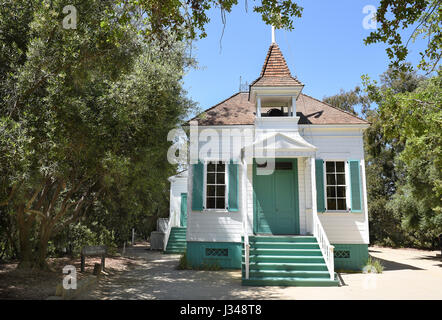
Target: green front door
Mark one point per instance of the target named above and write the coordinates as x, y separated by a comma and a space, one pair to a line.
183, 215
276, 200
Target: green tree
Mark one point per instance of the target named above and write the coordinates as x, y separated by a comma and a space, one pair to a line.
383, 170
347, 100
187, 19
414, 120
422, 18
83, 117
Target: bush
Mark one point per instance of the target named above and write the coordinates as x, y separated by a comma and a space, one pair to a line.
373, 264
183, 264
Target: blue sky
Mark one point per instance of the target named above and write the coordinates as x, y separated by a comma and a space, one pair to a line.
325, 51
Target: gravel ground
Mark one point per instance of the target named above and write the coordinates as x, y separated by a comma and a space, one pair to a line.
408, 274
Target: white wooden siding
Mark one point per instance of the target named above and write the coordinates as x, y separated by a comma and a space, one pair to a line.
332, 143
177, 187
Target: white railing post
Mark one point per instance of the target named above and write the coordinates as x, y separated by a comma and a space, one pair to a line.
170, 223
318, 230
244, 218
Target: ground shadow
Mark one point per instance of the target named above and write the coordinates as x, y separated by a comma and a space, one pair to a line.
437, 257
395, 266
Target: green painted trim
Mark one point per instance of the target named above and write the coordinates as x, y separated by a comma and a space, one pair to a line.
183, 214
196, 254
320, 190
295, 195
233, 195
297, 226
197, 186
358, 256
355, 186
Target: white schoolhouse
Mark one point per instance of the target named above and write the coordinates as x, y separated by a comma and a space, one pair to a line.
283, 194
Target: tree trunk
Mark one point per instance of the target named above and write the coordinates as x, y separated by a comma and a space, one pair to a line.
24, 227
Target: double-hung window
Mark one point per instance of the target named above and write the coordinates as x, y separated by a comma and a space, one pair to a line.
335, 185
216, 185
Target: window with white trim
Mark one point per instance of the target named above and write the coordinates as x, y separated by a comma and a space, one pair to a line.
216, 185
335, 185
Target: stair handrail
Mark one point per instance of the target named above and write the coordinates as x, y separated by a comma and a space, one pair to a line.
170, 224
318, 230
324, 244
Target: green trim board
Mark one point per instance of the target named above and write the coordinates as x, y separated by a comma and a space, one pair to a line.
183, 210
226, 255
197, 186
320, 190
350, 256
276, 199
355, 186
233, 181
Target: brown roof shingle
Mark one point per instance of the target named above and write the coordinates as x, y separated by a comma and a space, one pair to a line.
275, 72
238, 110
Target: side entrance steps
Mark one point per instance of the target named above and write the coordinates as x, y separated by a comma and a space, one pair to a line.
177, 240
286, 261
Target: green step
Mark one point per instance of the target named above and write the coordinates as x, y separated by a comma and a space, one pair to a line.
177, 240
283, 245
174, 251
285, 259
287, 266
284, 252
299, 282
253, 239
288, 274
175, 246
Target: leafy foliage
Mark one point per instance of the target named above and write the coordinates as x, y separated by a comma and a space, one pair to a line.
187, 19
402, 147
83, 122
423, 17
414, 119
347, 100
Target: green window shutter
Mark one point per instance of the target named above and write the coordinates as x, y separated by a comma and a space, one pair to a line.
233, 187
355, 186
197, 186
319, 168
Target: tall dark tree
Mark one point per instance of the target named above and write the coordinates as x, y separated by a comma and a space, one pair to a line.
83, 120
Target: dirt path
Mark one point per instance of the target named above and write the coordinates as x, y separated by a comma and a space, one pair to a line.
408, 274
156, 277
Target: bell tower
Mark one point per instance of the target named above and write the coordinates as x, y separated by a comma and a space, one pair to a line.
275, 93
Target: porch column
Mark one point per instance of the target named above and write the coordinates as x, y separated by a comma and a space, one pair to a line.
258, 106
293, 106
244, 196
313, 184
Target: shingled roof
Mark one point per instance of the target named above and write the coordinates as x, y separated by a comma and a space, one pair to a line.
238, 110
275, 72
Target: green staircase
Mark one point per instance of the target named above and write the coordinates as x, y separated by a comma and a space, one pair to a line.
177, 240
286, 261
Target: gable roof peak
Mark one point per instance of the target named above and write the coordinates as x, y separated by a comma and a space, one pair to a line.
275, 71
275, 64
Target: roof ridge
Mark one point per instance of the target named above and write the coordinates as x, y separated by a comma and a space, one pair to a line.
339, 109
